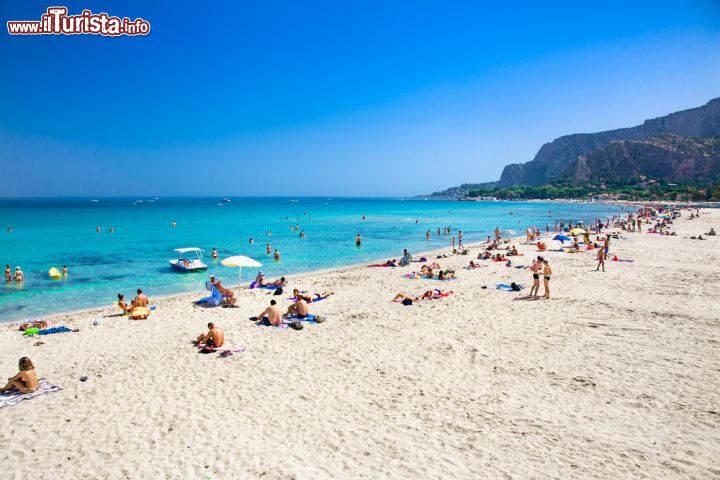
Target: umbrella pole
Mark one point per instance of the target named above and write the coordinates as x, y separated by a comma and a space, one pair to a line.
239, 280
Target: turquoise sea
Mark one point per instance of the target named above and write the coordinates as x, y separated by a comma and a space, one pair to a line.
54, 232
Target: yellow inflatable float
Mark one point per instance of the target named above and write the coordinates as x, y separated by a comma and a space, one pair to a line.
54, 273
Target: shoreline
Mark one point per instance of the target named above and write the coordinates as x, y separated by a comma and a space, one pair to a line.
54, 316
615, 376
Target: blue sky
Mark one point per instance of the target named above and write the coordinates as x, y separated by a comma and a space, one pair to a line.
334, 98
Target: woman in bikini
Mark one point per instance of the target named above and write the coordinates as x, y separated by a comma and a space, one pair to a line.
547, 272
310, 298
25, 381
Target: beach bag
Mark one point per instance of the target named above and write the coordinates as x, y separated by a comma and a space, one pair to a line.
407, 302
278, 291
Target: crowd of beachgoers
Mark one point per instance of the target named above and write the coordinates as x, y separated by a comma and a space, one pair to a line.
517, 349
579, 237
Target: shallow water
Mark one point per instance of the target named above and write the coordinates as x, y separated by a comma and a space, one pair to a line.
57, 232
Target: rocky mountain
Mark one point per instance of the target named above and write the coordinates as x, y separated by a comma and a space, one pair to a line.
462, 190
563, 155
668, 156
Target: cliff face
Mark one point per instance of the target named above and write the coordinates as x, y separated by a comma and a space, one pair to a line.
671, 157
560, 156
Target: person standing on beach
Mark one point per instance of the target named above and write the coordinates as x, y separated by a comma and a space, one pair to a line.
497, 234
535, 269
8, 274
601, 260
547, 272
607, 245
358, 240
459, 238
453, 244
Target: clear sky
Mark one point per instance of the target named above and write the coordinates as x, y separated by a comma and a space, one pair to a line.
337, 97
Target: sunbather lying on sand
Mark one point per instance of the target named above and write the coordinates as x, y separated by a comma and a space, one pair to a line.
297, 295
262, 282
25, 381
427, 295
213, 339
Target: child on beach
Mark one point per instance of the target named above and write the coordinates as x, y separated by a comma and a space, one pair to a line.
25, 381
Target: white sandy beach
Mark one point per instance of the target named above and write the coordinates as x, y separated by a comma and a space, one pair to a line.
617, 376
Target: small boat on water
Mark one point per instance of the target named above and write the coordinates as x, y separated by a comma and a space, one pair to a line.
190, 260
226, 200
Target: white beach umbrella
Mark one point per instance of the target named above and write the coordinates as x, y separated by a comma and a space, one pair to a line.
240, 261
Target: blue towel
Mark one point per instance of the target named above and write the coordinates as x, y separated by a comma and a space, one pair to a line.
309, 319
503, 286
49, 331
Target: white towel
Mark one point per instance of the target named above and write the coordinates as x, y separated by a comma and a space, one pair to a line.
14, 397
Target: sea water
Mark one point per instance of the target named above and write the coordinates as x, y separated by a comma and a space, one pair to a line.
55, 232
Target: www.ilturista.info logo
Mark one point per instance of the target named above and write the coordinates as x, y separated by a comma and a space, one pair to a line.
57, 22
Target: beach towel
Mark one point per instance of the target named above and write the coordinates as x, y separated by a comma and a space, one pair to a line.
435, 278
264, 323
309, 319
380, 265
50, 331
508, 288
14, 397
266, 287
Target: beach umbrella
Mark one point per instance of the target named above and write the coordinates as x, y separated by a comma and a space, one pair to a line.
562, 238
240, 261
577, 231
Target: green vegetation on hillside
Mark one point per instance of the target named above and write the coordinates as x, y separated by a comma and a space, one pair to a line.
637, 188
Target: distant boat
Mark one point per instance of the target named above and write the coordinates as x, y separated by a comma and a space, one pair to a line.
294, 201
191, 260
94, 201
226, 200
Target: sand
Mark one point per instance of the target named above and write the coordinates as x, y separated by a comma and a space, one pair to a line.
617, 376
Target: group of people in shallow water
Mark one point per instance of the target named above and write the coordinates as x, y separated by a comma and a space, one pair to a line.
18, 277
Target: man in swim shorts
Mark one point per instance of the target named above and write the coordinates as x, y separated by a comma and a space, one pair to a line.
141, 300
299, 308
272, 314
214, 338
